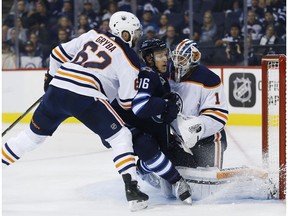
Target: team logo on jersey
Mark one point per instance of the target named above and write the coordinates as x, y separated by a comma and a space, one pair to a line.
179, 102
242, 90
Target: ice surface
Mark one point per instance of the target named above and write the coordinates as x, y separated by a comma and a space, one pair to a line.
73, 174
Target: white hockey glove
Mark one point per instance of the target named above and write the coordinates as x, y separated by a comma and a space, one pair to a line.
191, 130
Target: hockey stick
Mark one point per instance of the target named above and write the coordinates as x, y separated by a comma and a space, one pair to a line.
22, 116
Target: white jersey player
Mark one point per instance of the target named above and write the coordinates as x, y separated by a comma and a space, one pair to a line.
203, 106
86, 74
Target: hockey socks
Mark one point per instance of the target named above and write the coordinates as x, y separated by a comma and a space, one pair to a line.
162, 166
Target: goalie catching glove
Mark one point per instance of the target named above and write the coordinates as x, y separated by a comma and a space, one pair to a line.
191, 130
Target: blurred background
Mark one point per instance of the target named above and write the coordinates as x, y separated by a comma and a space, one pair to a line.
228, 32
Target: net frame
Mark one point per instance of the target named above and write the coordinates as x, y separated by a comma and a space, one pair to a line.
281, 60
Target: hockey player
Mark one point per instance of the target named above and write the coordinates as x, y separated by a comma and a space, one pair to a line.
203, 104
86, 73
154, 107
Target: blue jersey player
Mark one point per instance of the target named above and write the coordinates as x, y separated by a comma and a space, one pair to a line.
154, 108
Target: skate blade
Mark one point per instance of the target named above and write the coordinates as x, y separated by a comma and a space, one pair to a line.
188, 201
136, 205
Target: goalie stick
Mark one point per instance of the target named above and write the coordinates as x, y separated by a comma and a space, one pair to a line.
22, 116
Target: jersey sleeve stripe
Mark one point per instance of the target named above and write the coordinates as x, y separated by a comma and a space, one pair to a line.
136, 108
99, 84
75, 82
216, 109
58, 54
57, 59
223, 122
65, 74
216, 113
64, 52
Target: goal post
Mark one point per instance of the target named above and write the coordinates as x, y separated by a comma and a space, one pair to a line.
274, 119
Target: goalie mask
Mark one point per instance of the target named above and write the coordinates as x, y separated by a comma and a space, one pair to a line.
124, 21
185, 56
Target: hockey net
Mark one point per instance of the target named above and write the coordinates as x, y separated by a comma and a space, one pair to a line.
274, 119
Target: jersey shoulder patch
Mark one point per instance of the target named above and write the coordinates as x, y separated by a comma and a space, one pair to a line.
205, 77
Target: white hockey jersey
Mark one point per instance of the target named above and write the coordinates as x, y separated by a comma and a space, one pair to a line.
202, 95
96, 65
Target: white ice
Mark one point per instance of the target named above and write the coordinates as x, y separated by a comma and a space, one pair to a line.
72, 174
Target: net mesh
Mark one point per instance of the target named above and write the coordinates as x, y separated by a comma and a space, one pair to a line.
272, 160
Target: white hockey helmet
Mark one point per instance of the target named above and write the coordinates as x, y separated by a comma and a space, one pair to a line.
185, 56
125, 21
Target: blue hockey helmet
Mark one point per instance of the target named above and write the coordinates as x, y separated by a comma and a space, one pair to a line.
148, 47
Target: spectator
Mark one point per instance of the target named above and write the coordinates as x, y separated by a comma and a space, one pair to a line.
149, 34
93, 17
234, 35
80, 31
270, 39
208, 28
64, 24
271, 19
67, 10
253, 25
40, 16
112, 8
91, 5
230, 49
172, 6
62, 37
104, 27
83, 23
28, 59
22, 32
124, 5
185, 28
12, 41
9, 20
8, 57
257, 9
163, 22
147, 19
171, 38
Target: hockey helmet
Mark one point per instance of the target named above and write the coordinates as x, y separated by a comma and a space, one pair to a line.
148, 47
185, 56
125, 21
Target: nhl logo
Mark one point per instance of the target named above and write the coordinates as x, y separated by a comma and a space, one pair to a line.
242, 89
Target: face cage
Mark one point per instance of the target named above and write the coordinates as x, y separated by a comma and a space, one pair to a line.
181, 63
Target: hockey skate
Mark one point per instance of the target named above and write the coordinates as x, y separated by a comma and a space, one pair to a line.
137, 200
182, 191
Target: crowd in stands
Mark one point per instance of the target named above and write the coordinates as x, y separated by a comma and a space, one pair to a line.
217, 27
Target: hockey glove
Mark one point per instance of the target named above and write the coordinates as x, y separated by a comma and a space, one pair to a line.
171, 111
47, 80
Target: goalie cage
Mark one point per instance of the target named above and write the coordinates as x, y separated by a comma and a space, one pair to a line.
274, 119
